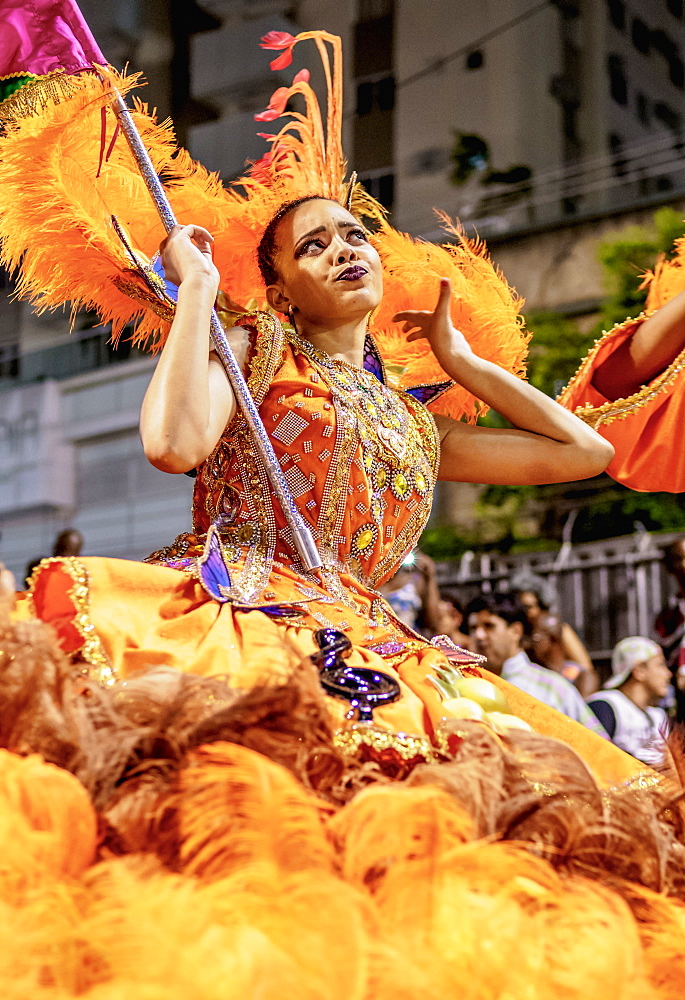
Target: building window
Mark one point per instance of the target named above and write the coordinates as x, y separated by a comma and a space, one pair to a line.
374, 123
372, 10
10, 362
380, 186
375, 95
475, 59
676, 72
364, 98
385, 93
618, 163
642, 108
617, 13
668, 117
640, 35
675, 7
663, 44
617, 80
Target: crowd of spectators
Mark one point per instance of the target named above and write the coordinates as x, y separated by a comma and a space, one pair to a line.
527, 642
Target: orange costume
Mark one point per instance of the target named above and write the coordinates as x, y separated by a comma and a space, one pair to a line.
233, 831
241, 837
644, 428
361, 460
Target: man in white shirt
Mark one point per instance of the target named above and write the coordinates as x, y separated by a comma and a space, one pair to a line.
497, 624
627, 707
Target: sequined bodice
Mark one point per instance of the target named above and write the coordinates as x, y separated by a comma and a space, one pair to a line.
360, 459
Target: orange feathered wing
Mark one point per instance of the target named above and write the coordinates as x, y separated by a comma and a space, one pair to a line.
484, 308
61, 207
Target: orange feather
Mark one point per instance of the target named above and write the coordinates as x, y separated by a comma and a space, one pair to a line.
56, 224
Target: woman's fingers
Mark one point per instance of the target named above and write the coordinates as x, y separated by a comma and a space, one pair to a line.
411, 316
422, 318
442, 309
196, 233
199, 235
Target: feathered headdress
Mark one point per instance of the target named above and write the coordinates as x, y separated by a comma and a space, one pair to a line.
667, 279
78, 224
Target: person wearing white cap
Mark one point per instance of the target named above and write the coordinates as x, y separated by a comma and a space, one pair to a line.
627, 706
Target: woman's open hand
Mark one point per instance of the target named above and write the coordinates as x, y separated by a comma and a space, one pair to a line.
186, 253
447, 343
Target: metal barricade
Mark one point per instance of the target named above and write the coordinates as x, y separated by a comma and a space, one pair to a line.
606, 590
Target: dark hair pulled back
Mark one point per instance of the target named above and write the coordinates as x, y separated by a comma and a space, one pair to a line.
267, 249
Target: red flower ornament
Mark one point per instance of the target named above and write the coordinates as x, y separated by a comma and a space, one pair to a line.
277, 104
276, 40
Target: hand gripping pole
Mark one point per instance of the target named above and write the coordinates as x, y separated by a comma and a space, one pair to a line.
302, 536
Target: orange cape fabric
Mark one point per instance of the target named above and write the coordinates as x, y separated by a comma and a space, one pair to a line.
645, 429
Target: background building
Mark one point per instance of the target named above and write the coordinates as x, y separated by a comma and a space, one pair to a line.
540, 124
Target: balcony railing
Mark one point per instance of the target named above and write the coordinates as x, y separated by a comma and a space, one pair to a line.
84, 352
626, 178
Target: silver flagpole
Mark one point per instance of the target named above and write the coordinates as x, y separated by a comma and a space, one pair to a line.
302, 536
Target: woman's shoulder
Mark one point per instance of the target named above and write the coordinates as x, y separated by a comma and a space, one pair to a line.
260, 338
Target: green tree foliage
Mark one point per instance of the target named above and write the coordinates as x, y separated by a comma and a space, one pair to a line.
625, 257
471, 154
556, 349
558, 345
617, 510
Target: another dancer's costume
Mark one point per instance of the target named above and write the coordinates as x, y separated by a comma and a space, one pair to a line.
251, 842
644, 428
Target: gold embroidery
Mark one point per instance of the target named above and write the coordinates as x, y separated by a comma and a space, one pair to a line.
362, 403
233, 492
92, 650
618, 409
36, 93
135, 289
407, 746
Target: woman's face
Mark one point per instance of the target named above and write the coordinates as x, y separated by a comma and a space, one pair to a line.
328, 271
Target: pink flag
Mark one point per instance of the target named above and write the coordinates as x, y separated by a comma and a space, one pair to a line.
39, 37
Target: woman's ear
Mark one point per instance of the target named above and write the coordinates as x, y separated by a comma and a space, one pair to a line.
277, 300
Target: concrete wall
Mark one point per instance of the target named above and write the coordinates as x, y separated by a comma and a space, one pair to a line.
70, 456
558, 269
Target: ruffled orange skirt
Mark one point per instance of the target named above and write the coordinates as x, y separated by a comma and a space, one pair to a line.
510, 867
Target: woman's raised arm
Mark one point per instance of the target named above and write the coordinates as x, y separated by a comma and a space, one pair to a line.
189, 400
651, 349
546, 444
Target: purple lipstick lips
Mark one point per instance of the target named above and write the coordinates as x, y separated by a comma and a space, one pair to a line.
353, 273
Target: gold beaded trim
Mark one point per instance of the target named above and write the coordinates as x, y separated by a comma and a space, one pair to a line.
618, 409
643, 780
406, 745
131, 287
92, 650
36, 94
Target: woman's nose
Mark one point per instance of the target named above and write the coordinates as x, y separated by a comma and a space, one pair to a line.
344, 252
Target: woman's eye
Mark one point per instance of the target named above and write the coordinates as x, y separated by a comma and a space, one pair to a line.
310, 244
359, 233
